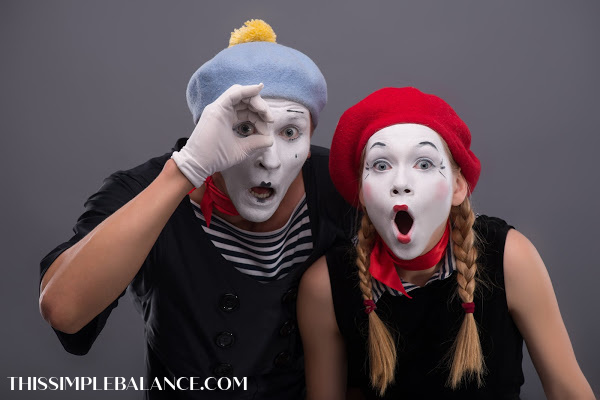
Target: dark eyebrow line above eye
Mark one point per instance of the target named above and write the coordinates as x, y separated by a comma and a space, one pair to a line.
300, 112
428, 143
377, 144
296, 118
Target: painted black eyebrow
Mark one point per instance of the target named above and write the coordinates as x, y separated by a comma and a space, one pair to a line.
300, 112
377, 144
428, 143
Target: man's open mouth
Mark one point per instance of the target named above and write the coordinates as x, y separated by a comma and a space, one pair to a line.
262, 192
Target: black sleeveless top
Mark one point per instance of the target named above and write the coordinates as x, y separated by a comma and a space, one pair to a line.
426, 326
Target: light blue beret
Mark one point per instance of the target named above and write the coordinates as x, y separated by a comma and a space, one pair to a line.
285, 72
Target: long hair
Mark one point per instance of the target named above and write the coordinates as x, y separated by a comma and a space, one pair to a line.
465, 358
380, 343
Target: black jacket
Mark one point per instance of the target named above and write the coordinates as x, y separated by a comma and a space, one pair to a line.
203, 318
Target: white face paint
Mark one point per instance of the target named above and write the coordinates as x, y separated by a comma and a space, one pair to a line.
407, 187
257, 185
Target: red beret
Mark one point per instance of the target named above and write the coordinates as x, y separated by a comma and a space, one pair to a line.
391, 106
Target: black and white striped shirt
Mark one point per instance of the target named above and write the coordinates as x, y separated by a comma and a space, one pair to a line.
265, 256
445, 270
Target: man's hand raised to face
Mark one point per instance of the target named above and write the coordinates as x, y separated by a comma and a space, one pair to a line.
215, 144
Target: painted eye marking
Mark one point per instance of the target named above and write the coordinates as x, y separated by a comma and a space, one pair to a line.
245, 128
290, 133
295, 111
367, 166
442, 166
381, 165
366, 177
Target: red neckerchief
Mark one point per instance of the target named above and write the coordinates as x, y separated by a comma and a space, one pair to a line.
383, 262
213, 197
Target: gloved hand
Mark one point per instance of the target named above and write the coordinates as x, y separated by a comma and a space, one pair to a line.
215, 144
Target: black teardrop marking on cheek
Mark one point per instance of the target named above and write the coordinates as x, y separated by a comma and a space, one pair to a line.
296, 155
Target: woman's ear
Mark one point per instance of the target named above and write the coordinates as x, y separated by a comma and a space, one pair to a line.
460, 189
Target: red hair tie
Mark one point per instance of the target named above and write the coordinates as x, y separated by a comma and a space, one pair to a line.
369, 306
469, 307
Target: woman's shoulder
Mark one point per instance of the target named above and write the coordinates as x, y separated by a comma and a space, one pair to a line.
329, 280
342, 273
491, 234
341, 261
315, 279
330, 275
491, 227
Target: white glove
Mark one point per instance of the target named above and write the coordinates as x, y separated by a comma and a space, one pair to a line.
213, 145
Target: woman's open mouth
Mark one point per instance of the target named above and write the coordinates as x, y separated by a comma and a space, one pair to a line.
404, 222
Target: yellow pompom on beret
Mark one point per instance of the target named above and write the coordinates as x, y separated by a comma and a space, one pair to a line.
254, 30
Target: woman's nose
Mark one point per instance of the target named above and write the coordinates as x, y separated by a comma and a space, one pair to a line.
401, 185
396, 191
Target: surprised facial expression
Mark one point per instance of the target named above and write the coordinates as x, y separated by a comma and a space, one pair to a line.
407, 187
257, 185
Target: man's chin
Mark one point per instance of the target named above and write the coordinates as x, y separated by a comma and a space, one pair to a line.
256, 217
258, 213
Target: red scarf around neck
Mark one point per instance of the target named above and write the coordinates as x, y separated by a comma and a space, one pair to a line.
213, 197
383, 262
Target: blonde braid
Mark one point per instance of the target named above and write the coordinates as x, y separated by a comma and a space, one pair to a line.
467, 358
381, 345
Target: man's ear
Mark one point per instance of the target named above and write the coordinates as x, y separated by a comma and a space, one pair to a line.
460, 189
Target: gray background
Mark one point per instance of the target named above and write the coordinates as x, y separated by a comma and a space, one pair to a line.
92, 87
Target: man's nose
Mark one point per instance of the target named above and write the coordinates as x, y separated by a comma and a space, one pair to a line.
269, 158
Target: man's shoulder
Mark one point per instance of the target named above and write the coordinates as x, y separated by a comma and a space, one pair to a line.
322, 192
140, 176
319, 160
319, 151
150, 168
